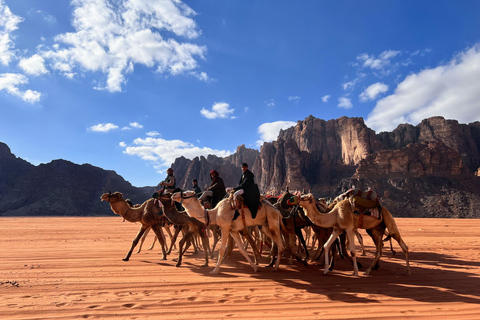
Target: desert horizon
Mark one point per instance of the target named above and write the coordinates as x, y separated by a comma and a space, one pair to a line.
72, 268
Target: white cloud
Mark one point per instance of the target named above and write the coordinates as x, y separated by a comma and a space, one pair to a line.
8, 23
270, 103
136, 125
122, 144
325, 98
294, 98
380, 63
373, 91
219, 110
449, 90
269, 131
345, 103
10, 82
164, 152
110, 37
153, 133
35, 65
103, 127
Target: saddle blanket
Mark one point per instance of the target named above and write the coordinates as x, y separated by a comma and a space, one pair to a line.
373, 212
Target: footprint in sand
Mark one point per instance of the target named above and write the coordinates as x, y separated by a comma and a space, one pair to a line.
128, 305
192, 298
93, 306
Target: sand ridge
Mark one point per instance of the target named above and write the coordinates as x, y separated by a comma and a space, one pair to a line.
72, 268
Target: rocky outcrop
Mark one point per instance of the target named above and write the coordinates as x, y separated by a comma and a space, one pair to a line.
428, 170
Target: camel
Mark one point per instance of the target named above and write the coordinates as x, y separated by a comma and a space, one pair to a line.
188, 224
268, 217
342, 218
147, 214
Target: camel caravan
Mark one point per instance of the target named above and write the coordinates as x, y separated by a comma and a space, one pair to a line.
273, 226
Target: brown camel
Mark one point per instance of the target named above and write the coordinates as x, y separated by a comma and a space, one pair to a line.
342, 218
148, 214
222, 215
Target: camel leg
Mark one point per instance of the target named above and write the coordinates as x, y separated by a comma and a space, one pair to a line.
158, 232
187, 236
153, 243
174, 238
238, 241
360, 240
298, 232
276, 237
142, 239
376, 234
326, 248
247, 236
221, 252
169, 232
404, 247
135, 242
351, 248
206, 247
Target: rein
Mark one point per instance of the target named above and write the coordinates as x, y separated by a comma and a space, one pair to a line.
125, 214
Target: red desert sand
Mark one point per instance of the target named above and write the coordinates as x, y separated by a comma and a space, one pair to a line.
72, 268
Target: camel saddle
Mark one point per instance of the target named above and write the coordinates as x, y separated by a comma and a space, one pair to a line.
241, 205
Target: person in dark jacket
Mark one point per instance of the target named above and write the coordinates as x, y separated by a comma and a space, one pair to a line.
196, 188
216, 190
248, 189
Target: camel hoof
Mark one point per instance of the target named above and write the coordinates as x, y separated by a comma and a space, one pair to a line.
325, 271
125, 259
214, 271
305, 263
255, 268
408, 273
204, 265
178, 264
367, 272
355, 274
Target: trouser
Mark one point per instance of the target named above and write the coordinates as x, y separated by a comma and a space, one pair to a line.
207, 193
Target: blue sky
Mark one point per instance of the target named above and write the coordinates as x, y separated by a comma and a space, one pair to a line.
129, 85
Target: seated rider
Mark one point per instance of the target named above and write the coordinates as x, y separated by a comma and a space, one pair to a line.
196, 188
249, 189
216, 190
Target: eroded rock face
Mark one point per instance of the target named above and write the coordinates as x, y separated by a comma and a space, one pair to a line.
415, 160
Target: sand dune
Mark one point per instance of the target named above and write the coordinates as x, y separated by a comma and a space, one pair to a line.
72, 268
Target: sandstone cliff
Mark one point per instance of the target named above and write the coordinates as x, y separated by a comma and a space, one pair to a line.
428, 170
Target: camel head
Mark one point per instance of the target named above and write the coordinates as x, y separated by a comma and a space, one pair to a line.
180, 196
306, 198
112, 197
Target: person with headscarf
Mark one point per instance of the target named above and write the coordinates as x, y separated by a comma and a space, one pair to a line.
216, 190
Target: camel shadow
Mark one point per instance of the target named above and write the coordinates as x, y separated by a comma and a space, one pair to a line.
436, 278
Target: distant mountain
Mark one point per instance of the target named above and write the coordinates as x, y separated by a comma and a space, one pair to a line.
58, 188
428, 170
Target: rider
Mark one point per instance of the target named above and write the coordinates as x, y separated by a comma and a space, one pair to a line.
196, 188
249, 189
168, 185
216, 190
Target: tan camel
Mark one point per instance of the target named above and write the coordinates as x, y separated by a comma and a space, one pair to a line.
342, 218
147, 214
268, 217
